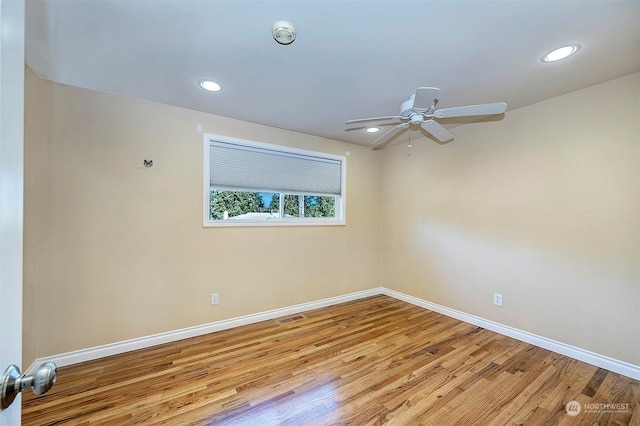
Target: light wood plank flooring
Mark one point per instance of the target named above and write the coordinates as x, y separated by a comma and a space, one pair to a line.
368, 362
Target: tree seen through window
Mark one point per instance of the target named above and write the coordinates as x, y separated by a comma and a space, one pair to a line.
239, 205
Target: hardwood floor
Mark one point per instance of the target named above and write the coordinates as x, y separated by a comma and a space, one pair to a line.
368, 362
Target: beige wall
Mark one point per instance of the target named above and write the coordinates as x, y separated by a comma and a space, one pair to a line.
116, 251
542, 207
37, 133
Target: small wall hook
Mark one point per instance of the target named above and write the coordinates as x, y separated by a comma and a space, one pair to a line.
148, 163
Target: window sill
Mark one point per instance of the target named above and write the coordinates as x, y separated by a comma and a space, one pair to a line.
276, 222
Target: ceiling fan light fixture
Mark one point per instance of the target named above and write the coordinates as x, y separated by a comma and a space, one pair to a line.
209, 85
560, 53
372, 129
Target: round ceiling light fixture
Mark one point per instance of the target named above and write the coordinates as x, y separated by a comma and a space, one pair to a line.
209, 85
372, 129
284, 32
561, 53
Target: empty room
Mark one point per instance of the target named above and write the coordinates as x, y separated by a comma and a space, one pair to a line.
311, 212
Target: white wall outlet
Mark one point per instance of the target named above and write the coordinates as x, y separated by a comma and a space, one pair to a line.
497, 299
214, 298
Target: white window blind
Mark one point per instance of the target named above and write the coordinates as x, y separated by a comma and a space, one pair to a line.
246, 168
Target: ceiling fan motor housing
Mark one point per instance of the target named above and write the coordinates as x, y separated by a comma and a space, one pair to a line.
417, 118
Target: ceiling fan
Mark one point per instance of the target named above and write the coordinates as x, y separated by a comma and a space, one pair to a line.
420, 109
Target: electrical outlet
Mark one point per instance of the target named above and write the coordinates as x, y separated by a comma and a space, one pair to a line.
214, 298
497, 299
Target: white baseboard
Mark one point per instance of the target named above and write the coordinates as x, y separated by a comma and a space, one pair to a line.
102, 351
620, 367
69, 358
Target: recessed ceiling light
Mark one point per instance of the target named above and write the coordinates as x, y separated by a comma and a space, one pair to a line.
211, 86
372, 129
561, 53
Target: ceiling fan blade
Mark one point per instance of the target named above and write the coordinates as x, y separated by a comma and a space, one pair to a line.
385, 139
437, 130
396, 118
424, 97
471, 110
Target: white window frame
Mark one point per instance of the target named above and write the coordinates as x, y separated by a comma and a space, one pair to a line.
340, 206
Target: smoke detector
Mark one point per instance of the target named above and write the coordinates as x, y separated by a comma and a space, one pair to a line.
284, 32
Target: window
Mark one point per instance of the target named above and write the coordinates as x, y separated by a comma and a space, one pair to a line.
249, 183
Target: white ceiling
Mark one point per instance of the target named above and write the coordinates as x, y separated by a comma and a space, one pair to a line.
351, 59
